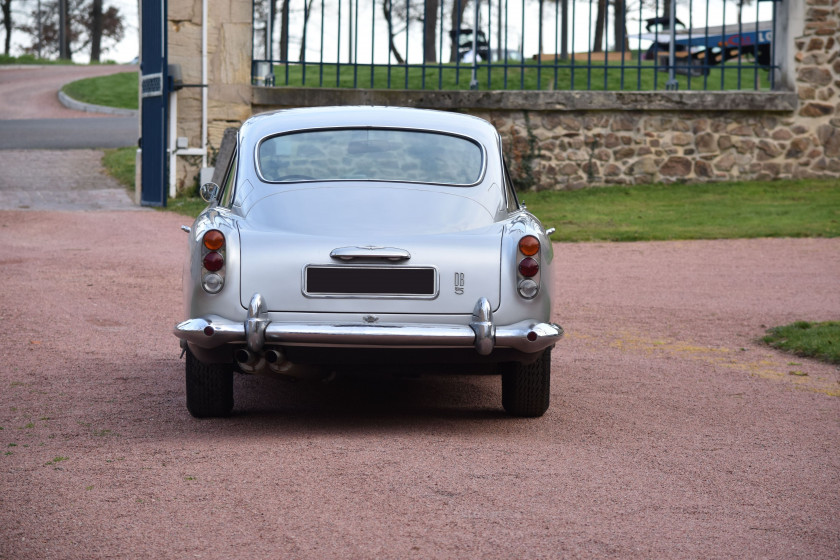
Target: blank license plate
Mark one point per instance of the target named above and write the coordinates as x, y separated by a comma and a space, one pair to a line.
370, 281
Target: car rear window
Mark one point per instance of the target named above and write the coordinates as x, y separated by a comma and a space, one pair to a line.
370, 154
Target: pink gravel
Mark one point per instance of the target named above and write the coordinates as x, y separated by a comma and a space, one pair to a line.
672, 432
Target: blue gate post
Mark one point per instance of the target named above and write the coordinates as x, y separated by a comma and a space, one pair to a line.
154, 89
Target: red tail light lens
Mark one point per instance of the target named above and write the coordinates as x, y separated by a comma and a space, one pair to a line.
213, 261
528, 267
214, 240
529, 245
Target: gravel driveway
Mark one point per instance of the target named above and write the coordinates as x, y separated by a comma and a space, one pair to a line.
672, 432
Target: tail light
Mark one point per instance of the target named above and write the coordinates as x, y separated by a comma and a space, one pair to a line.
213, 261
528, 267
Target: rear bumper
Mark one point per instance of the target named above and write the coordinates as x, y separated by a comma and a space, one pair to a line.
482, 333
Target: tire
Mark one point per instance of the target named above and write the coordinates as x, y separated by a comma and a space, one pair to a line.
209, 388
526, 388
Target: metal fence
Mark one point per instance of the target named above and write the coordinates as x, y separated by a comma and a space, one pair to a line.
636, 45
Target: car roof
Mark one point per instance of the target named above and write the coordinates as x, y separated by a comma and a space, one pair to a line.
286, 120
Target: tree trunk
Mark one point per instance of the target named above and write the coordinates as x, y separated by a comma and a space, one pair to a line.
95, 30
307, 11
455, 22
600, 20
386, 10
430, 31
620, 27
7, 25
564, 29
284, 31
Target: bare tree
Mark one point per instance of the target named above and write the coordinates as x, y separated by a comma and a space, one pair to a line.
622, 44
430, 30
600, 22
388, 12
307, 11
456, 20
284, 31
8, 24
79, 30
95, 30
564, 29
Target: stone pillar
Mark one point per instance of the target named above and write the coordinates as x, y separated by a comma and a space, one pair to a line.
228, 79
816, 70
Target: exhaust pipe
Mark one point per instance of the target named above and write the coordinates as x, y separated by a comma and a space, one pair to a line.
245, 357
277, 361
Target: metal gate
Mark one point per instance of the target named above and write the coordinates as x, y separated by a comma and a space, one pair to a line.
154, 89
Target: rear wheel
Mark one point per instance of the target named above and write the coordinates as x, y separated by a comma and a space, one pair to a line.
526, 388
209, 388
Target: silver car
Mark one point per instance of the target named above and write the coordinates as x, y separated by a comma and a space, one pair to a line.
367, 237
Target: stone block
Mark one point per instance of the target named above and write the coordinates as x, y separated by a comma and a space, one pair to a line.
706, 143
612, 170
623, 122
815, 109
814, 75
829, 137
782, 134
644, 166
769, 149
676, 166
703, 169
681, 139
725, 162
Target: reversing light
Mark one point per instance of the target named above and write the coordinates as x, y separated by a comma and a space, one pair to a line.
528, 288
529, 245
212, 283
528, 267
214, 240
213, 261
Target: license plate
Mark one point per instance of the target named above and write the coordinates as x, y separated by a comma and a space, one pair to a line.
372, 281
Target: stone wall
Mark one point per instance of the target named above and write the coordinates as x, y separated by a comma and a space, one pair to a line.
570, 140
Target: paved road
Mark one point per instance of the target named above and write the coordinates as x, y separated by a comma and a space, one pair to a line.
31, 117
50, 155
68, 134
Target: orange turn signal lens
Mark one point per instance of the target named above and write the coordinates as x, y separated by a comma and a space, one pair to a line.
214, 240
529, 245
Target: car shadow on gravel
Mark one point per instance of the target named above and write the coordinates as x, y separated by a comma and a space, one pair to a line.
343, 405
365, 401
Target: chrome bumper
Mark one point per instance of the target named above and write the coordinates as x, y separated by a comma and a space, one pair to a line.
481, 333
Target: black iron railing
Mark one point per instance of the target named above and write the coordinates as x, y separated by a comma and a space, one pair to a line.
516, 44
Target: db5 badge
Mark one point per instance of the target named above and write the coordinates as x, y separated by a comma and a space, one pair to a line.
459, 283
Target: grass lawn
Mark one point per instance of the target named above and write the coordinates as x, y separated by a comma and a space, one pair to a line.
803, 208
811, 340
30, 59
598, 76
115, 90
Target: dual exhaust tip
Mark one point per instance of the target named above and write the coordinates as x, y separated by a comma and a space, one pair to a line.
253, 362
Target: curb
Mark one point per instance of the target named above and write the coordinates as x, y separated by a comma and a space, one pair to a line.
71, 103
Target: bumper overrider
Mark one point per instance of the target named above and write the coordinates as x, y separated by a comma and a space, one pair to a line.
482, 333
